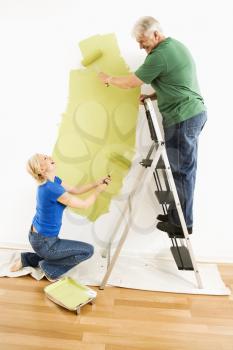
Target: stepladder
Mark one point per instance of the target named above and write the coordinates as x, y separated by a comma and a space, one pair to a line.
155, 165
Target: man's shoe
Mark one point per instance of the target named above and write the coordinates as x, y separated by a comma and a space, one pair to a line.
162, 217
173, 230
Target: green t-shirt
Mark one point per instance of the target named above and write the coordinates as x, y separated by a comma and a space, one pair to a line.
171, 71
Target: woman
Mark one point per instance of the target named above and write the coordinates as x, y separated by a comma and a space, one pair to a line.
55, 256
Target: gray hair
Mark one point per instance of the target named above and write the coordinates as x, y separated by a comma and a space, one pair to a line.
146, 26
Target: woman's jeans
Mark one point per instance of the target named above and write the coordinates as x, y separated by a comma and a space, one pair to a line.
55, 256
182, 144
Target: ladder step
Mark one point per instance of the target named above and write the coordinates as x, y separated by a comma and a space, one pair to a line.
164, 197
182, 258
147, 163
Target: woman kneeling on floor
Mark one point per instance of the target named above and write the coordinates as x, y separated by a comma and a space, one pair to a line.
55, 256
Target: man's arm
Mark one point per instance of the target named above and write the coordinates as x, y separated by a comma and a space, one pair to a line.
124, 82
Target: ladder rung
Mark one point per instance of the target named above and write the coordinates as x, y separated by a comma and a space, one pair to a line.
164, 197
146, 162
182, 258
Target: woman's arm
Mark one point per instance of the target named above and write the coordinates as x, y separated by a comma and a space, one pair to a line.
79, 189
74, 202
85, 188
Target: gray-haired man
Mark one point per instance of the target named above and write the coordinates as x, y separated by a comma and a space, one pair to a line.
170, 69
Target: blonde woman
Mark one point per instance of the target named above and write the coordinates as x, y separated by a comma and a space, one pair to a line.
55, 256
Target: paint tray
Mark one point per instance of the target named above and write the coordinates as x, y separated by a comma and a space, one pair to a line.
70, 294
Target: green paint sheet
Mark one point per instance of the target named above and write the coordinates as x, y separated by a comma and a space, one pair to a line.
97, 132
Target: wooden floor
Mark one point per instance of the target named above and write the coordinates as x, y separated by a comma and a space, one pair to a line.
121, 319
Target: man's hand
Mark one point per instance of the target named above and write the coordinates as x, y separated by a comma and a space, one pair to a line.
143, 97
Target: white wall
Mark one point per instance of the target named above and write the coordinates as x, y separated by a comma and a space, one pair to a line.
39, 40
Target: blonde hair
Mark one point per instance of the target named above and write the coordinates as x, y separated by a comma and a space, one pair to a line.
34, 169
146, 26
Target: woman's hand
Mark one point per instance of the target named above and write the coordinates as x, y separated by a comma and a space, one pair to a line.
103, 183
104, 180
101, 188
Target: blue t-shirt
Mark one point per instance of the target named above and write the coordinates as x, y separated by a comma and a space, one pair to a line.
48, 218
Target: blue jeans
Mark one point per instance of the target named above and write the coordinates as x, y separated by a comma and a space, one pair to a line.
55, 256
181, 142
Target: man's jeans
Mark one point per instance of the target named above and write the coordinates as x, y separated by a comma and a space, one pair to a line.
55, 256
182, 144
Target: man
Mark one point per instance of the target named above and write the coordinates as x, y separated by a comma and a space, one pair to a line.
170, 69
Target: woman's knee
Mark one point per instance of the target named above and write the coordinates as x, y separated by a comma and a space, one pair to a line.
85, 254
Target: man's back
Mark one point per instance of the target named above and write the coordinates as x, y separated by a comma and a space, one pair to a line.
171, 71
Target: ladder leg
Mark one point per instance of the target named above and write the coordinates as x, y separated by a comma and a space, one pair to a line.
107, 252
120, 219
181, 216
142, 179
117, 252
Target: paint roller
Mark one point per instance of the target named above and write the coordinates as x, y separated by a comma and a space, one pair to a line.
91, 58
120, 160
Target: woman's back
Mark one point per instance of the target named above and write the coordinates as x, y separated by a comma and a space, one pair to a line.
49, 211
